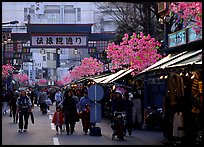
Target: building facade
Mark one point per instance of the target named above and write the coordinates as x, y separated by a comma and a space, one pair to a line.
34, 17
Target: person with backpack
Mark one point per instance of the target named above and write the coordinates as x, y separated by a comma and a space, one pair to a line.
24, 105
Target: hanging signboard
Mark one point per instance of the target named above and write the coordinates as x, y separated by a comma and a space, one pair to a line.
177, 38
40, 41
193, 36
184, 36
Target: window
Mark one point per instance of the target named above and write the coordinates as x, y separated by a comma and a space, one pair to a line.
48, 56
44, 58
26, 44
9, 47
25, 14
78, 14
101, 46
19, 47
92, 43
54, 56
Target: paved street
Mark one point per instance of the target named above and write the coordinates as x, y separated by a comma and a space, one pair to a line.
43, 133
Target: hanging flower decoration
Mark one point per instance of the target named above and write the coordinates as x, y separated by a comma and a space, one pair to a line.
42, 81
89, 66
21, 77
188, 11
66, 80
59, 82
7, 70
137, 53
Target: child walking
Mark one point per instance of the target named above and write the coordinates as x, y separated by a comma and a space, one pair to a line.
58, 119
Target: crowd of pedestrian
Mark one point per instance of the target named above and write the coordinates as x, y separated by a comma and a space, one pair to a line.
72, 105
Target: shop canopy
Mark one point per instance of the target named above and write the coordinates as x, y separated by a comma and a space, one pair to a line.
122, 75
106, 79
175, 60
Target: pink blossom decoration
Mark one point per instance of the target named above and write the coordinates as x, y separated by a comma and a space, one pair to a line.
137, 53
188, 11
42, 81
21, 77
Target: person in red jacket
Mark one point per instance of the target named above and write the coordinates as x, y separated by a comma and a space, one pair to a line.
58, 119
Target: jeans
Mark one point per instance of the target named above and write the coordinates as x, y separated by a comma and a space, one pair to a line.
23, 115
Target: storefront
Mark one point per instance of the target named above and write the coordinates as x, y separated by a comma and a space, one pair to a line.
176, 80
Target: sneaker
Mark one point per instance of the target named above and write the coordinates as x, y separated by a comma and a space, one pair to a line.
25, 130
57, 133
20, 130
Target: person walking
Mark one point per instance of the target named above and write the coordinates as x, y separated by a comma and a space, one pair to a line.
70, 111
58, 97
31, 94
5, 102
43, 97
84, 110
128, 110
23, 108
13, 105
58, 119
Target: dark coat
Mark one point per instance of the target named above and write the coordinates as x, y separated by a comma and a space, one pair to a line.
69, 109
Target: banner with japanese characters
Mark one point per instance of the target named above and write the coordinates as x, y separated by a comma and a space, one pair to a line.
38, 41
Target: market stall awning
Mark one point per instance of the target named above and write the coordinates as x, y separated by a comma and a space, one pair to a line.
122, 75
106, 79
99, 78
176, 60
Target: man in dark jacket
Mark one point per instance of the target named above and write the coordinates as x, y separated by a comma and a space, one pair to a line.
23, 108
70, 111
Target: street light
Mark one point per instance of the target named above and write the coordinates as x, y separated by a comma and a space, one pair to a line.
42, 51
76, 51
58, 51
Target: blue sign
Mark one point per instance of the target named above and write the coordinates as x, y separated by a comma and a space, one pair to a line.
177, 38
95, 92
95, 113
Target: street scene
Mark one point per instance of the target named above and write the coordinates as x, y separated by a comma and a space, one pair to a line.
102, 73
42, 132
